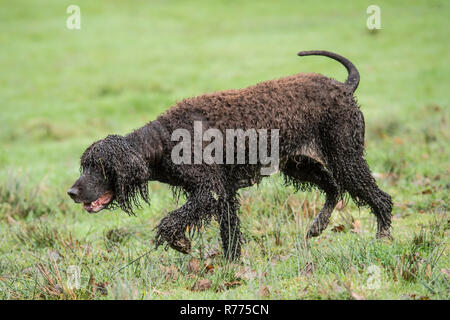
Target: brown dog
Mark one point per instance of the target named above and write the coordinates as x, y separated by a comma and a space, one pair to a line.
320, 144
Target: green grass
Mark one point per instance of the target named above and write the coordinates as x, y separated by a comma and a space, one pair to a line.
60, 90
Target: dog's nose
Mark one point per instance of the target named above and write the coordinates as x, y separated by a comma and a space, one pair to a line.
73, 192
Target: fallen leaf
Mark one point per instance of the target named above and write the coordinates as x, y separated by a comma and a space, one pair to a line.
201, 285
232, 284
170, 272
264, 292
212, 253
339, 228
245, 273
193, 266
101, 287
414, 296
97, 287
209, 268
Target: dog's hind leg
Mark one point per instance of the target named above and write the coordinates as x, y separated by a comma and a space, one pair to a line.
362, 187
301, 170
230, 230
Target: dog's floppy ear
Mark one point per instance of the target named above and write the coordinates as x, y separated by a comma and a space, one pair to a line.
123, 166
131, 174
153, 147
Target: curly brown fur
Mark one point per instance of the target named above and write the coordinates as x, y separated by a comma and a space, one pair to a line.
321, 144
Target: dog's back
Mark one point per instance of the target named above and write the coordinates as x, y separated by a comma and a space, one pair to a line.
286, 103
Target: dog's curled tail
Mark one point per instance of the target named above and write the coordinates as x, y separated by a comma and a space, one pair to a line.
353, 74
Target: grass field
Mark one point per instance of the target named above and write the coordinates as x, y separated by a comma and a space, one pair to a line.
62, 89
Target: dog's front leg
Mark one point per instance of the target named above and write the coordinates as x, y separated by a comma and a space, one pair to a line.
195, 213
172, 229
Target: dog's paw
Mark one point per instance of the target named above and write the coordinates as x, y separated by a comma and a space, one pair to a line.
316, 229
384, 234
181, 244
312, 232
168, 231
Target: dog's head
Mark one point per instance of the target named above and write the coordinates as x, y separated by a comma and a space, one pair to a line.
113, 174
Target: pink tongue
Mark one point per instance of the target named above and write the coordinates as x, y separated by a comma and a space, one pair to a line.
99, 202
103, 199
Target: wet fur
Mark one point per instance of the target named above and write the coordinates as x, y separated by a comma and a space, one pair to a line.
321, 145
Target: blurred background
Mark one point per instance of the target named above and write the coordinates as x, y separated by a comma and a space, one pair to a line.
62, 89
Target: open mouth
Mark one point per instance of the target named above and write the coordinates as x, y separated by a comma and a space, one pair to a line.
100, 203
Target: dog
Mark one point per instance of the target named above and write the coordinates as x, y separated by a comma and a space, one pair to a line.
320, 143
